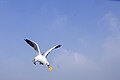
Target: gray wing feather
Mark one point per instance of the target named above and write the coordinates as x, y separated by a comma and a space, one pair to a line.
48, 51
33, 45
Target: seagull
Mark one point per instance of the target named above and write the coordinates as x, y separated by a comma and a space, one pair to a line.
41, 58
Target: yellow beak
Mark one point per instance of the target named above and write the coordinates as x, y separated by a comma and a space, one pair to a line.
50, 68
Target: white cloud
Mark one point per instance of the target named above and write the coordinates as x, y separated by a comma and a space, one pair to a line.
75, 66
110, 22
59, 21
111, 57
72, 65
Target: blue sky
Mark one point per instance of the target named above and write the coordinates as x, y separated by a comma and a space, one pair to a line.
88, 30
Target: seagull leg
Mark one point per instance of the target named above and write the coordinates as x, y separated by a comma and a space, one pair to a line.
41, 63
34, 61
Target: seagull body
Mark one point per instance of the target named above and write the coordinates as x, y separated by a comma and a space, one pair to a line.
41, 58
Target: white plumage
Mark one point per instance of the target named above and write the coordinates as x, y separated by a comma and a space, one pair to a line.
41, 58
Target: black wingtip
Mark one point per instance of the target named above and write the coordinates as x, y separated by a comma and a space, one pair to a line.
26, 40
58, 46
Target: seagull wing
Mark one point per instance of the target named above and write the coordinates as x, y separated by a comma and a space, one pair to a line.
48, 51
33, 44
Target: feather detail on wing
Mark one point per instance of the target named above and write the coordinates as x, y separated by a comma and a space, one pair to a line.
33, 45
48, 51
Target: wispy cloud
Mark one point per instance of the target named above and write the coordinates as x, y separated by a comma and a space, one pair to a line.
59, 21
110, 22
72, 65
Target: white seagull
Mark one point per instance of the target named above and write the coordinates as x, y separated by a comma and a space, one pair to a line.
41, 58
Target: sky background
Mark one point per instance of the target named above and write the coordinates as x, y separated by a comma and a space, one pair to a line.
88, 30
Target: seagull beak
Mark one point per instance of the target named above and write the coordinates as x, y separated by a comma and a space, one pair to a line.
50, 68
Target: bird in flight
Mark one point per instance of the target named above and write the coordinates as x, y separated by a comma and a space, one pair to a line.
41, 58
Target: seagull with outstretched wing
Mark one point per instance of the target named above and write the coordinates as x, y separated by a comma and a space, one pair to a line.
41, 58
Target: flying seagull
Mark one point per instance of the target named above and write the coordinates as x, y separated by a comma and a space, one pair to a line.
41, 58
